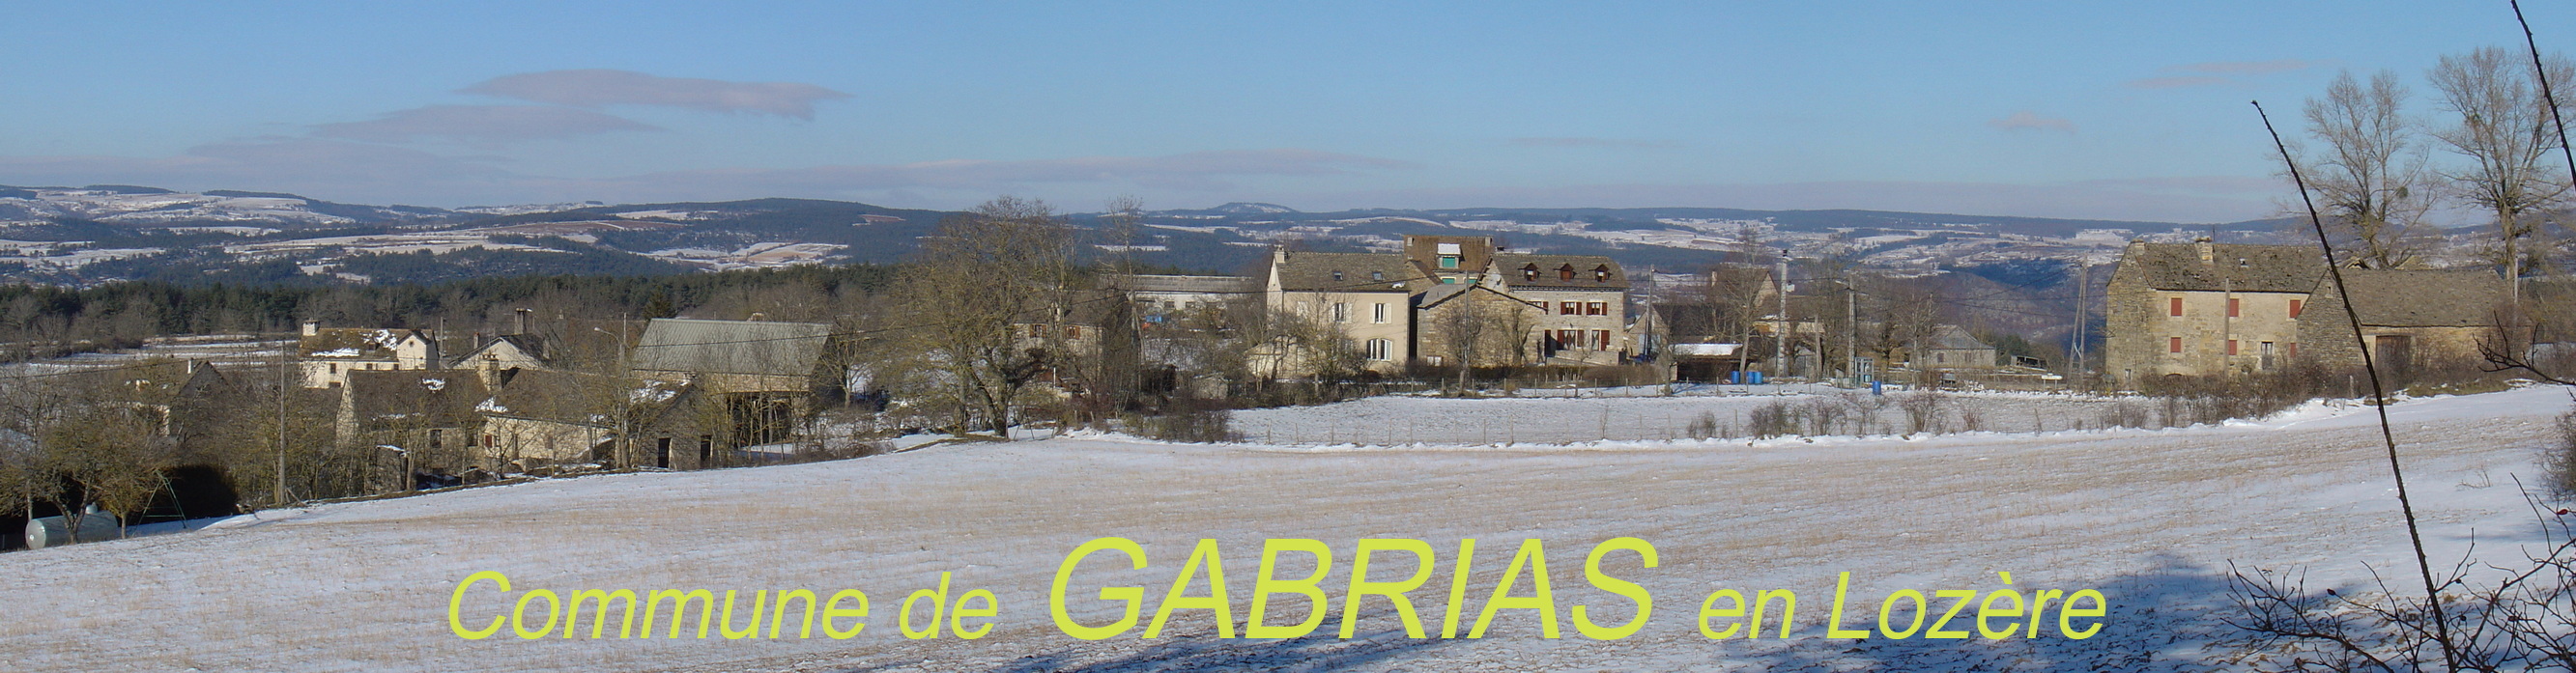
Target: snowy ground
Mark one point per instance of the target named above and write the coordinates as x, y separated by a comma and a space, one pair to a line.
2150, 517
1554, 417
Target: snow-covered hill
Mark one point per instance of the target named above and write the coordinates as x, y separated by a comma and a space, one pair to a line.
154, 207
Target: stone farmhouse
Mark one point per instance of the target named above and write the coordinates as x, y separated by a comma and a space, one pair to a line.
1445, 296
2210, 309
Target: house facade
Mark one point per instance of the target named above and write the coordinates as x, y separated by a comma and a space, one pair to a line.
2206, 309
1362, 302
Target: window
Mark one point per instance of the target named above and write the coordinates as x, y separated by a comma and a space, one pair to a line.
2173, 344
2176, 309
1377, 275
335, 368
1529, 272
1569, 308
1596, 308
662, 452
2232, 311
1072, 332
1038, 330
1381, 349
1940, 358
1601, 339
1337, 276
2295, 306
1565, 272
2293, 351
1601, 274
706, 450
1448, 261
437, 438
1341, 311
2231, 346
1377, 314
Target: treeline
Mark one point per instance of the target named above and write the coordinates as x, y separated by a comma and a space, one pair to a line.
43, 321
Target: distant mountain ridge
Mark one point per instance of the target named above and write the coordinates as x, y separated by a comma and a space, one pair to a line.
97, 233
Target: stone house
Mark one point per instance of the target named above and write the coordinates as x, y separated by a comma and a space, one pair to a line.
328, 354
1365, 300
2414, 320
1481, 322
2206, 309
1583, 301
765, 376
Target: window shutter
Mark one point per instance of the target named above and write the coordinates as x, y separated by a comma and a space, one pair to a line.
2176, 309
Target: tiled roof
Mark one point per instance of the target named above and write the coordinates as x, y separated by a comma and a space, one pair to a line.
1550, 277
2232, 267
1345, 272
731, 346
2413, 298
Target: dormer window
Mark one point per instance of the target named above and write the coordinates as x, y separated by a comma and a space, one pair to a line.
1565, 272
1377, 275
1529, 272
1448, 261
1337, 276
1601, 274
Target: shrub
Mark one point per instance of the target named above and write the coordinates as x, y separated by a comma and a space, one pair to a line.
1772, 419
1192, 421
2559, 462
1703, 427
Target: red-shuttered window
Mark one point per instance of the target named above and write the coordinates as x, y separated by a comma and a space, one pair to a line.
2232, 311
2231, 346
2173, 345
2295, 306
2176, 307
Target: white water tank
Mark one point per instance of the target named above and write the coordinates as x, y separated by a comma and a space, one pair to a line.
55, 531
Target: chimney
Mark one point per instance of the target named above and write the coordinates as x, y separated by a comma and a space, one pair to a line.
2208, 252
519, 321
757, 316
312, 327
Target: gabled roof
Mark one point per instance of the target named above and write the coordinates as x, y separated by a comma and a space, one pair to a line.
2232, 267
2415, 298
354, 342
1954, 337
1441, 294
1359, 272
731, 347
1512, 267
426, 398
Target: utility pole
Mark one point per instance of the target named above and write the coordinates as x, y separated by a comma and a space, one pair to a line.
284, 365
1780, 333
1851, 331
2083, 311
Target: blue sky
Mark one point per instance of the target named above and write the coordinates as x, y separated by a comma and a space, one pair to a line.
2096, 110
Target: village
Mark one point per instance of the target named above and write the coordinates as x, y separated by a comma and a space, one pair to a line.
336, 411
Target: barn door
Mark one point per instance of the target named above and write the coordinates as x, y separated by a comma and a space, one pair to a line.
2394, 353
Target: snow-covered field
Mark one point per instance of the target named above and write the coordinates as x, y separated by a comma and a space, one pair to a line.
1630, 414
2150, 517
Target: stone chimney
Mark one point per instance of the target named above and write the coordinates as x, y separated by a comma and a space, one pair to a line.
519, 321
312, 327
2208, 251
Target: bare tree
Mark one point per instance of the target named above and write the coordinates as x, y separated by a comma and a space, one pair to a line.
2505, 129
972, 287
2371, 180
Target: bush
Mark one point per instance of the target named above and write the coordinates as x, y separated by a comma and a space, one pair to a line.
1192, 421
2559, 462
1773, 419
1703, 427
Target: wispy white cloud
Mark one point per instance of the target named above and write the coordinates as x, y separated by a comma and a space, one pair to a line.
2175, 199
1591, 142
481, 124
2028, 120
599, 87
